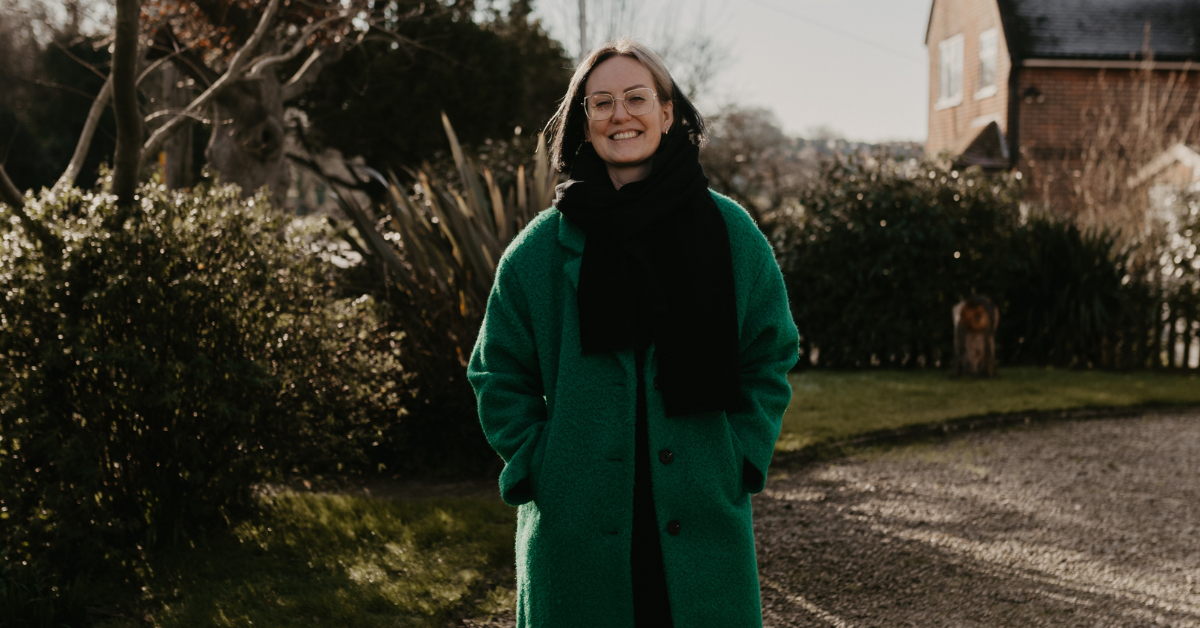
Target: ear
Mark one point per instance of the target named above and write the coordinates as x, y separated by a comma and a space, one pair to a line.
668, 113
587, 131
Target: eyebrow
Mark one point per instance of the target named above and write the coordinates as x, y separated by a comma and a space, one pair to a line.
638, 86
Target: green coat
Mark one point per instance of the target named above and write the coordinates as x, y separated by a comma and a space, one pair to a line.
564, 424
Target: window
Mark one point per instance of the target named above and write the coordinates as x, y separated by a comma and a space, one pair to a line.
950, 71
987, 63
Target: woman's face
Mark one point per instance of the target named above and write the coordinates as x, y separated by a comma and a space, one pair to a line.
624, 141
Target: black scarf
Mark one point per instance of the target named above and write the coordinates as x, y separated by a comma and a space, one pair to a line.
657, 268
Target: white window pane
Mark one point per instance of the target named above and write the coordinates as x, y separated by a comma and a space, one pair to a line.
987, 58
950, 69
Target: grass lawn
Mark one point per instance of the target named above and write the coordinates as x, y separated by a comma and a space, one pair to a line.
313, 559
316, 559
834, 405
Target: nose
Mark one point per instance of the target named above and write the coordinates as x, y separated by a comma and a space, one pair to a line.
619, 111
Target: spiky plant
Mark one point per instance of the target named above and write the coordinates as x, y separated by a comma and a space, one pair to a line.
431, 248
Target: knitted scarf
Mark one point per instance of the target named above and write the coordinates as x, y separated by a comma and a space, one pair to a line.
657, 268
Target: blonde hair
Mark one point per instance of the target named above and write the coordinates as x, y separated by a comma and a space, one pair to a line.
565, 129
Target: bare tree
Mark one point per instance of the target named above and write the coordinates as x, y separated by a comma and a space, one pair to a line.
695, 56
1134, 118
751, 159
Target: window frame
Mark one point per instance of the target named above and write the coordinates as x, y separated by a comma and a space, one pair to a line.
992, 34
945, 100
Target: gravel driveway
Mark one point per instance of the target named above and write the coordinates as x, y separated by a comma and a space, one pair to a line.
1077, 523
1082, 523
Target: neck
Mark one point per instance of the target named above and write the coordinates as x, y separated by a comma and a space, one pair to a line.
622, 175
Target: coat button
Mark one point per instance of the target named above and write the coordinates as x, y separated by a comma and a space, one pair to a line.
673, 527
657, 384
666, 457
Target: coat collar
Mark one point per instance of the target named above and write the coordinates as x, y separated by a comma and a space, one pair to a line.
572, 237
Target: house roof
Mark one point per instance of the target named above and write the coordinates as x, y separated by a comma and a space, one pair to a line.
1101, 29
1179, 153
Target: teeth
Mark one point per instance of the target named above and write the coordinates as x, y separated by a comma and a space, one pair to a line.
626, 135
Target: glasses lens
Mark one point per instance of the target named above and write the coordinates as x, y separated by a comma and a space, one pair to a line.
639, 101
599, 105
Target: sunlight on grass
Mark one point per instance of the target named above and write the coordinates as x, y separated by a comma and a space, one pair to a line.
336, 560
833, 405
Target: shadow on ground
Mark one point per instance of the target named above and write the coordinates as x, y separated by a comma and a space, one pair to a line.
1086, 523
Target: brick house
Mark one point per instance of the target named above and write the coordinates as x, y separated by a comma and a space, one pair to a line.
1027, 84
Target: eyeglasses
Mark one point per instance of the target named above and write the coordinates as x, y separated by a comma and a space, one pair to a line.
638, 102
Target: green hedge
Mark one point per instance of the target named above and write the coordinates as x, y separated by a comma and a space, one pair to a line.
159, 366
877, 252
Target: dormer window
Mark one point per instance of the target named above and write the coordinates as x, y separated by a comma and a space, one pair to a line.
950, 72
988, 51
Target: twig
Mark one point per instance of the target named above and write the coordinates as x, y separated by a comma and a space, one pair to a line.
50, 84
265, 62
85, 139
13, 197
85, 64
232, 73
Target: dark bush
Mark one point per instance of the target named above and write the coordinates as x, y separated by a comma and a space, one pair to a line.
158, 367
1067, 292
880, 251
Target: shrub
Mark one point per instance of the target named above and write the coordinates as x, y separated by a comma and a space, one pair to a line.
882, 249
1067, 292
155, 368
429, 250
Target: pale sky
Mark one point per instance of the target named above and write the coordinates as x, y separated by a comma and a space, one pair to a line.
859, 66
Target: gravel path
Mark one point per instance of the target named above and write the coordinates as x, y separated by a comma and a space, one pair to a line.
1078, 523
1085, 523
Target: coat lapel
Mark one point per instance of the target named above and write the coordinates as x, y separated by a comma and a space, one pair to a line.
572, 238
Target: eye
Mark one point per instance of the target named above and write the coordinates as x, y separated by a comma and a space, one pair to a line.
636, 99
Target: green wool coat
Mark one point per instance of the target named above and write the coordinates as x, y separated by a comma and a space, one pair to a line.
564, 424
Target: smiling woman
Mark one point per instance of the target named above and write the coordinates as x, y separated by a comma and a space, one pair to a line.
643, 313
625, 132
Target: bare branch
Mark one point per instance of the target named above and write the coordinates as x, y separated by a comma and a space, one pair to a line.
308, 73
263, 63
12, 196
49, 84
234, 72
176, 112
85, 139
157, 64
67, 51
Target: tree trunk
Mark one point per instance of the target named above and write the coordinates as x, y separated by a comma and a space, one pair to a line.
246, 146
129, 119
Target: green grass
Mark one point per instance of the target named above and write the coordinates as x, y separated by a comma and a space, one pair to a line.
834, 405
312, 559
336, 560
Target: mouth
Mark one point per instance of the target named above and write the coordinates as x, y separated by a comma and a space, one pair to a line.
625, 135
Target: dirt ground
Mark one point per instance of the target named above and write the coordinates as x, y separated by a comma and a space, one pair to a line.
1077, 523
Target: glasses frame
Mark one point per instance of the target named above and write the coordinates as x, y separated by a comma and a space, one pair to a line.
653, 98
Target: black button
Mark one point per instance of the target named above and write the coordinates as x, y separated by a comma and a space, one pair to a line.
657, 385
666, 457
673, 528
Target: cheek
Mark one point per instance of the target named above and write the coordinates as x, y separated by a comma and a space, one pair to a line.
591, 130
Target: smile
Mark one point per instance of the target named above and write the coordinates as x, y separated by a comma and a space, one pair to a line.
626, 135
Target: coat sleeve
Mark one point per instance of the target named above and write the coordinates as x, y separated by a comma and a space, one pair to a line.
507, 380
769, 349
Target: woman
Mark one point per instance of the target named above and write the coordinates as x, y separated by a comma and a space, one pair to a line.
631, 369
